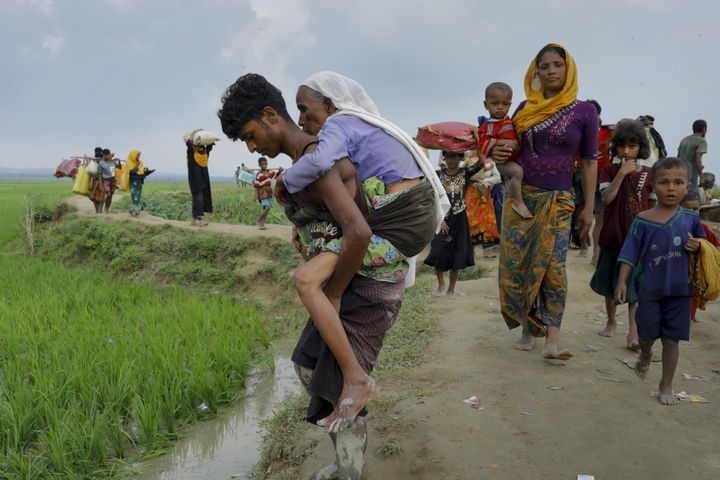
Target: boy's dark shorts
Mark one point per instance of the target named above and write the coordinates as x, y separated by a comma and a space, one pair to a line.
605, 279
665, 318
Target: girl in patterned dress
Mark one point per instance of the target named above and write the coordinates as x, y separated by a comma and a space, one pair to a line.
451, 248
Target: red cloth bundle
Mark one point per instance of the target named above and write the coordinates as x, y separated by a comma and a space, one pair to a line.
67, 168
449, 136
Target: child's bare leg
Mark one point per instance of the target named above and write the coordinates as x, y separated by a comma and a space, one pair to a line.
632, 336
514, 172
670, 354
358, 387
453, 281
643, 363
263, 218
441, 283
611, 309
596, 237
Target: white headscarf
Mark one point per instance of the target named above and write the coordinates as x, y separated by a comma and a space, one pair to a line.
350, 98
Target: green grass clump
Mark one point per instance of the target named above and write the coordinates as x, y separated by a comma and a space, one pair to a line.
253, 269
43, 196
93, 369
230, 205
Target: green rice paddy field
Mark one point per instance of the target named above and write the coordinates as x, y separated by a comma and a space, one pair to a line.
95, 370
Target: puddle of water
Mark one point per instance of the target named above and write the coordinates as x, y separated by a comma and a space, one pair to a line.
226, 446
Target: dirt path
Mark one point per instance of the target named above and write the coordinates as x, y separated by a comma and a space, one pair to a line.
600, 421
85, 207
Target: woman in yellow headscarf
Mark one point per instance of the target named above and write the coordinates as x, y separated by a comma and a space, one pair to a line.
136, 169
553, 127
199, 181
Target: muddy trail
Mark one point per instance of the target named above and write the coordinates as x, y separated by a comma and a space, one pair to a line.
84, 207
538, 418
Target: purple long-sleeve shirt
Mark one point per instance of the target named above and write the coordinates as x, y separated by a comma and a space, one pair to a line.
372, 150
548, 149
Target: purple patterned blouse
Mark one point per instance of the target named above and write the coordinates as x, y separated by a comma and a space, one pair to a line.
548, 149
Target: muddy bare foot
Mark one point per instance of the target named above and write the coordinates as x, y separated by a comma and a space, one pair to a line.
353, 399
643, 364
526, 343
329, 472
351, 444
583, 253
552, 352
608, 331
632, 342
521, 209
667, 398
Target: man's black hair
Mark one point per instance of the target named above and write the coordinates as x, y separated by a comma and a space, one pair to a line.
699, 126
106, 151
670, 162
262, 159
630, 131
596, 105
245, 99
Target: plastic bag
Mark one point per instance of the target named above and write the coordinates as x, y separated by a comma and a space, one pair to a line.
449, 136
123, 182
92, 168
82, 182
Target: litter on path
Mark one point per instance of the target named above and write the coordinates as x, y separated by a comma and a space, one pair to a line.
474, 402
686, 397
689, 376
550, 387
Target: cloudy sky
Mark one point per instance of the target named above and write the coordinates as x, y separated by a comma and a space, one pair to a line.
139, 73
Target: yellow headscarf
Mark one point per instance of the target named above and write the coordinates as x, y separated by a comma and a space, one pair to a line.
200, 158
133, 161
538, 108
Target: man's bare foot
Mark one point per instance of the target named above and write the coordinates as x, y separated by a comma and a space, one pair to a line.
583, 252
608, 331
667, 398
643, 364
526, 342
329, 472
632, 342
353, 399
440, 292
521, 209
552, 352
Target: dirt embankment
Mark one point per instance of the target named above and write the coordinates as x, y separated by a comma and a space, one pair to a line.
85, 207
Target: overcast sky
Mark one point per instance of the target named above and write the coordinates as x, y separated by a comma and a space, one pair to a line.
137, 74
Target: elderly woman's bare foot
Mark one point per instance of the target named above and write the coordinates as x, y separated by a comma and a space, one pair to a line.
552, 352
608, 331
643, 364
526, 342
353, 399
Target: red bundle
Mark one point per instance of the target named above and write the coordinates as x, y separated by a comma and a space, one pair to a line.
67, 168
449, 136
